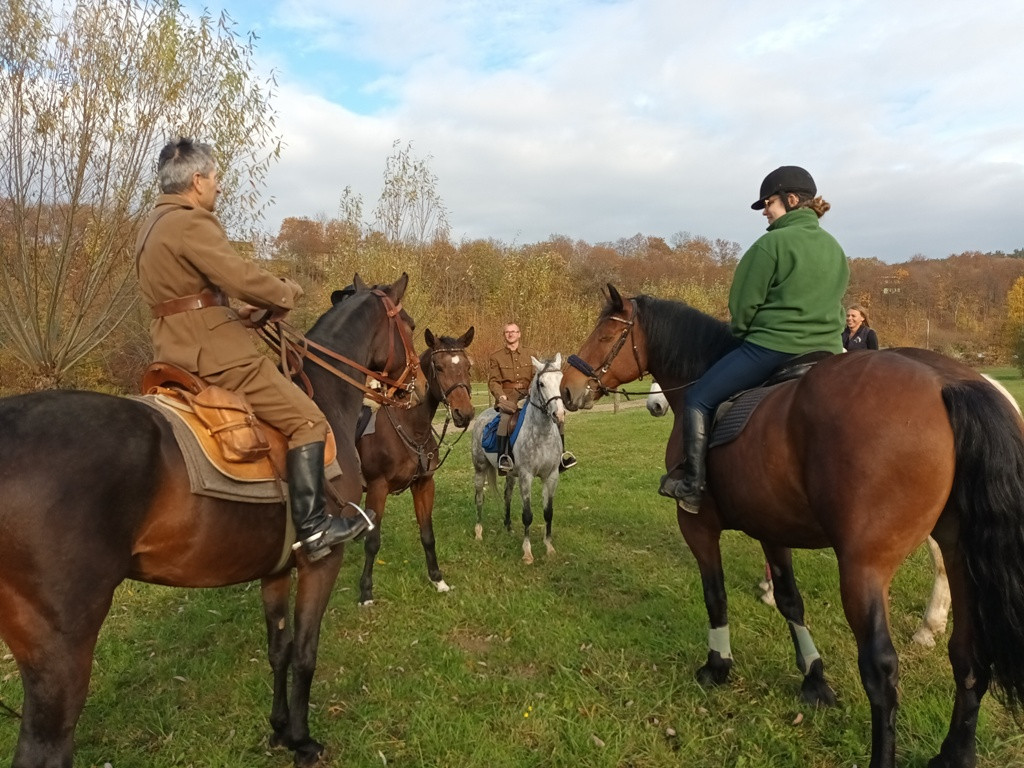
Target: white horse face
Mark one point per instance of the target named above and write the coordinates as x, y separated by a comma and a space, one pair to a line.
657, 403
548, 381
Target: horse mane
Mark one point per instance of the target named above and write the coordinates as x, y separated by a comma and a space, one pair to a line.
682, 342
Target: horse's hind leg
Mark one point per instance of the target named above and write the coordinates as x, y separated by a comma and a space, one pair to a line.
423, 503
55, 663
865, 601
972, 679
275, 592
814, 690
935, 614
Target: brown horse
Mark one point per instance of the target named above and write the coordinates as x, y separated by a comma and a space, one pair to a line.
403, 450
94, 491
868, 453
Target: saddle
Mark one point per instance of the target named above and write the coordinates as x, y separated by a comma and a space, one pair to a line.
231, 437
732, 415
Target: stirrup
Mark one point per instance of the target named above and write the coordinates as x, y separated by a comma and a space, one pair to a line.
319, 544
568, 461
505, 463
687, 497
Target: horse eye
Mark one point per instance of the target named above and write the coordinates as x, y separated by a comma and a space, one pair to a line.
605, 338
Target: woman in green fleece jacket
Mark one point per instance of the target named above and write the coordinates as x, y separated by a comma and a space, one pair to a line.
786, 299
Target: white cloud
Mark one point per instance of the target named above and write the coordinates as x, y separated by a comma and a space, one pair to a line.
599, 120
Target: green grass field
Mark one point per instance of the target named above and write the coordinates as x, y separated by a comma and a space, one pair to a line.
585, 658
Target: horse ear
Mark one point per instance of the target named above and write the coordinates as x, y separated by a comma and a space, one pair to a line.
429, 337
537, 364
397, 289
467, 338
614, 297
357, 281
558, 360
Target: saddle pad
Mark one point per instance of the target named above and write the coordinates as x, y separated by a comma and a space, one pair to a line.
257, 484
732, 415
489, 438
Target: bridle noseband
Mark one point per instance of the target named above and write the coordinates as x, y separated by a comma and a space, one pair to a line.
583, 366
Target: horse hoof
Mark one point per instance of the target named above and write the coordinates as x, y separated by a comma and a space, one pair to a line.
925, 637
712, 677
817, 693
308, 754
442, 586
366, 603
479, 532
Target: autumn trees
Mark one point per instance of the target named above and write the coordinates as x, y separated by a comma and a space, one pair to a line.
90, 92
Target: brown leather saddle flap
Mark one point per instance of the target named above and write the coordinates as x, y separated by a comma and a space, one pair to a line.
178, 387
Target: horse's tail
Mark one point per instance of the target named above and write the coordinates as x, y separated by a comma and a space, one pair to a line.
988, 490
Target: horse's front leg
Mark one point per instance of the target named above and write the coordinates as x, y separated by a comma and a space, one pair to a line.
423, 503
275, 592
525, 492
314, 590
814, 689
549, 488
376, 498
702, 534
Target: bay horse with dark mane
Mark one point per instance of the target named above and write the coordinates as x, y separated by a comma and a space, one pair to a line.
403, 450
94, 491
867, 453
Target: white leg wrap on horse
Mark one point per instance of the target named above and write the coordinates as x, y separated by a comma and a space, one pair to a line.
806, 652
718, 641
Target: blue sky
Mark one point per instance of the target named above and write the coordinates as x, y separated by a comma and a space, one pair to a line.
601, 119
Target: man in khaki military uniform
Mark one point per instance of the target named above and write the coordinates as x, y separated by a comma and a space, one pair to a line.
510, 372
187, 270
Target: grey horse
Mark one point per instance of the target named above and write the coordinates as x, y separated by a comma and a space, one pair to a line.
536, 452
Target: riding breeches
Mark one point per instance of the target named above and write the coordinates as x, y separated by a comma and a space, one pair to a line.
743, 368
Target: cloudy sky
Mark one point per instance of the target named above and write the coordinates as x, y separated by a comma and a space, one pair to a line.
601, 119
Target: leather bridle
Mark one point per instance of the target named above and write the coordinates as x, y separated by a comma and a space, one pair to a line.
584, 367
294, 348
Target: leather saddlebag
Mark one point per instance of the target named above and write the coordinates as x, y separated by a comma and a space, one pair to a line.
230, 419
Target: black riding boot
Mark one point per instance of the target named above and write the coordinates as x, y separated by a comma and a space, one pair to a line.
687, 485
505, 463
568, 460
315, 529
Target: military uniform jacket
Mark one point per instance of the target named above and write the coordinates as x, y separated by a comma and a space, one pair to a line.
510, 373
186, 252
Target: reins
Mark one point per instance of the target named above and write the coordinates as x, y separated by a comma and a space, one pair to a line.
294, 347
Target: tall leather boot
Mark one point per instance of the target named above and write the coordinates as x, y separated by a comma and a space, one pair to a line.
505, 463
316, 530
687, 485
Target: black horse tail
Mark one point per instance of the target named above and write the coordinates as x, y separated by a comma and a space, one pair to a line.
988, 490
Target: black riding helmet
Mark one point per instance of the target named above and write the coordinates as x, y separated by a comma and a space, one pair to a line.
786, 178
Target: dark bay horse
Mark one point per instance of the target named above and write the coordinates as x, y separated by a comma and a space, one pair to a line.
403, 450
868, 453
94, 491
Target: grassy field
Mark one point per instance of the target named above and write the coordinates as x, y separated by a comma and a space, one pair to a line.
585, 658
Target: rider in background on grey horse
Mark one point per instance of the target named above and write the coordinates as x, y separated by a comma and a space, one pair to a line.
509, 374
187, 270
786, 300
